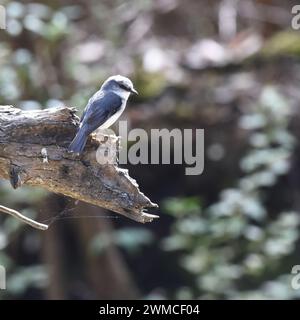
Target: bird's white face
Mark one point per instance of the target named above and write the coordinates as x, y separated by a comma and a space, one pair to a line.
120, 85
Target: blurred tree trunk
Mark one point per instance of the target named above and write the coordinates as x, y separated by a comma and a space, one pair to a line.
107, 271
52, 251
105, 275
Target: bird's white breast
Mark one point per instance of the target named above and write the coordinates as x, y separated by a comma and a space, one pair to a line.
124, 95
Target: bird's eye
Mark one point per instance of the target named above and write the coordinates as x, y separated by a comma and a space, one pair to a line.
124, 87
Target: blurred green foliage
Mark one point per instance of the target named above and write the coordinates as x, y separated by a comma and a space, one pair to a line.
234, 248
130, 239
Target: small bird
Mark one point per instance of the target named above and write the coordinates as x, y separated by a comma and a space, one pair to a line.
103, 109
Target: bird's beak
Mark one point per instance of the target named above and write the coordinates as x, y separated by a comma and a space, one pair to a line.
134, 91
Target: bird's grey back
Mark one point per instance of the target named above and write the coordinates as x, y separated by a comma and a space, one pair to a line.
101, 106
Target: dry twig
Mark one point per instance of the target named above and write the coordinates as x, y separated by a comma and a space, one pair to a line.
23, 218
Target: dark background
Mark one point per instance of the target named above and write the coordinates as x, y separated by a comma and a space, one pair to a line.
229, 67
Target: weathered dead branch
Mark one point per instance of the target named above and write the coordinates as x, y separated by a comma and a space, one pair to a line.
33, 152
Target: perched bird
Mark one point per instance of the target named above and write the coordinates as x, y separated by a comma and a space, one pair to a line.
103, 109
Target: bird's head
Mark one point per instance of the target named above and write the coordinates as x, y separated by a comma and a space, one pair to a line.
120, 85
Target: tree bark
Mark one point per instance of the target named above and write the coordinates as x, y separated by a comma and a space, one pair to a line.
33, 151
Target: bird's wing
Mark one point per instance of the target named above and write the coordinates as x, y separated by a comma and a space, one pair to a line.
99, 109
98, 95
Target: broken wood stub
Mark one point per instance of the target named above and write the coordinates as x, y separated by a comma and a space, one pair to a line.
33, 151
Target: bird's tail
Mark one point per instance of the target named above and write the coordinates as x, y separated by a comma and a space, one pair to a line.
78, 143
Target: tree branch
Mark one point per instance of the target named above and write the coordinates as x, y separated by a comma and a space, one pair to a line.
23, 218
33, 152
